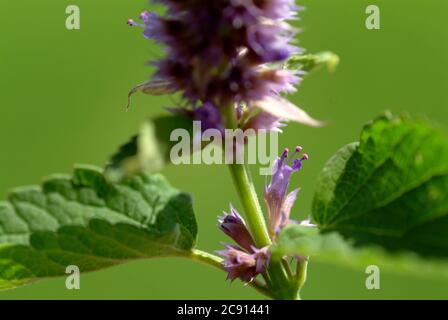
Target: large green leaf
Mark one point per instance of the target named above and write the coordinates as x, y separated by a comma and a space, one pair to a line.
89, 222
390, 189
333, 248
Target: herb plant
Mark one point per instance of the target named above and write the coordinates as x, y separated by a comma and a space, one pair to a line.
382, 200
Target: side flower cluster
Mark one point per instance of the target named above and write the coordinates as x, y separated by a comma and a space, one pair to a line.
278, 201
244, 260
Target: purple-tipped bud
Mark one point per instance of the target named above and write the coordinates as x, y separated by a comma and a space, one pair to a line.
131, 22
242, 265
278, 202
233, 225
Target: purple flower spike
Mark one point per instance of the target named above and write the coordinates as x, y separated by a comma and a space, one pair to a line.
278, 202
233, 225
223, 51
242, 265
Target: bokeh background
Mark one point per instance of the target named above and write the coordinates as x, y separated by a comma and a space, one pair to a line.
62, 97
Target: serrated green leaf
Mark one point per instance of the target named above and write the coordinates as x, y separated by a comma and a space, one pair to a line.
91, 223
390, 189
333, 248
148, 151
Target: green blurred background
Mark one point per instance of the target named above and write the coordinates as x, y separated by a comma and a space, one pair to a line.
62, 102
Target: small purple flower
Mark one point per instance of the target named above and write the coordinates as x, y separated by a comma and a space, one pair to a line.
238, 264
268, 46
278, 202
209, 116
243, 265
233, 225
264, 121
262, 257
244, 261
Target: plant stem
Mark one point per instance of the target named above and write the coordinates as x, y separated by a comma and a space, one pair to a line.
215, 261
301, 273
246, 192
205, 257
249, 200
279, 284
287, 268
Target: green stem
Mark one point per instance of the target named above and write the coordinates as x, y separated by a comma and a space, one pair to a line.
205, 257
280, 284
249, 200
215, 261
287, 268
247, 194
301, 273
